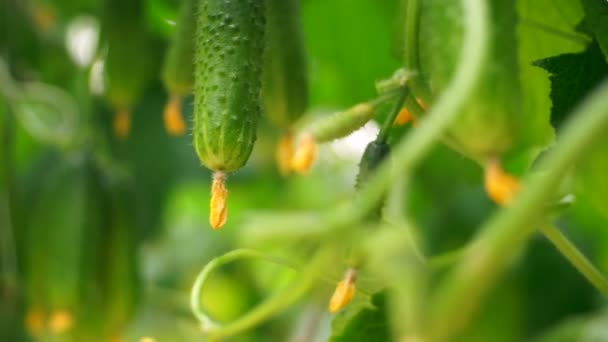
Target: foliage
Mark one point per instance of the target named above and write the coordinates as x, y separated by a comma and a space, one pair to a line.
104, 216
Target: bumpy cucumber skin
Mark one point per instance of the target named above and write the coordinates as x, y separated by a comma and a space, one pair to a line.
178, 69
285, 83
489, 123
228, 71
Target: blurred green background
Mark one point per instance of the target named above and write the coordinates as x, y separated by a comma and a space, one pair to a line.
102, 237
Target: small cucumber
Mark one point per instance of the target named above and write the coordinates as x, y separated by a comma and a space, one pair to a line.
228, 70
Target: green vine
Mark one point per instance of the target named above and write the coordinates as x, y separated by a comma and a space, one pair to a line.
309, 274
575, 257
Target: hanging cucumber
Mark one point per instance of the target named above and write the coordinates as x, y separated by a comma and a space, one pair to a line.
125, 74
59, 228
335, 126
178, 68
489, 124
228, 69
119, 273
285, 86
492, 123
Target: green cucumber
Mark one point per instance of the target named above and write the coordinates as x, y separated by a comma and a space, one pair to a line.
178, 68
126, 74
228, 69
490, 123
119, 273
60, 224
285, 86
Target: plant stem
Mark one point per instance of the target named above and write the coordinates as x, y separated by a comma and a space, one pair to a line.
412, 149
506, 232
576, 258
406, 155
261, 312
411, 58
390, 119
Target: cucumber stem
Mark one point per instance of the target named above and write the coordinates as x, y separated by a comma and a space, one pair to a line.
575, 257
412, 59
271, 306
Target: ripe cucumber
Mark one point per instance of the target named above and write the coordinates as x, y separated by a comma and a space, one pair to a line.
228, 69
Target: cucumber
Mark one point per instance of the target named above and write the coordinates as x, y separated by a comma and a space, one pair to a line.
228, 70
284, 81
59, 226
126, 74
285, 84
490, 123
227, 85
328, 128
178, 68
119, 273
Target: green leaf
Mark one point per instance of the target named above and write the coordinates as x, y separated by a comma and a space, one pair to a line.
362, 322
573, 75
545, 28
596, 17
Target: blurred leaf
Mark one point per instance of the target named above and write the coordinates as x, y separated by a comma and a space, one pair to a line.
596, 17
546, 28
362, 323
573, 75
